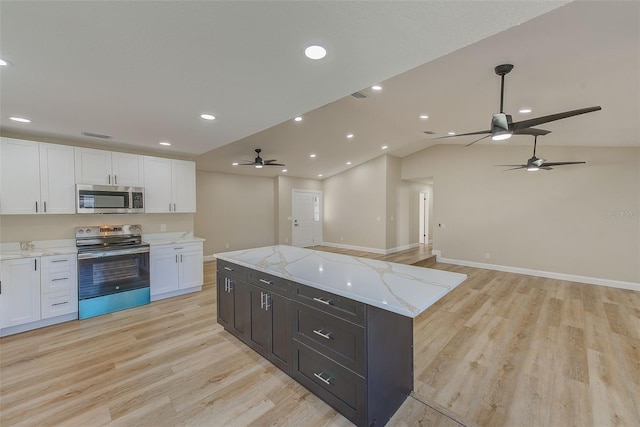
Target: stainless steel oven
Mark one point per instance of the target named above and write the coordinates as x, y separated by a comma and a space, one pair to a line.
113, 269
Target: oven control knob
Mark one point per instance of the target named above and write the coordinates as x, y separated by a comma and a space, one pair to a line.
81, 231
88, 230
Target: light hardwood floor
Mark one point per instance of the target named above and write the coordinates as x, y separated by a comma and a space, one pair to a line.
502, 349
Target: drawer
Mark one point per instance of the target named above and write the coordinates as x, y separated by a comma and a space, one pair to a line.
58, 281
342, 307
58, 303
175, 248
230, 269
340, 340
333, 383
267, 281
57, 263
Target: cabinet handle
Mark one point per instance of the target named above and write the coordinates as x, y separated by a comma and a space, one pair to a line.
262, 294
267, 305
35, 264
180, 257
169, 207
266, 282
175, 249
36, 207
176, 258
319, 376
226, 286
326, 335
228, 268
109, 178
115, 179
230, 286
45, 207
59, 303
0, 287
60, 260
174, 207
323, 301
59, 279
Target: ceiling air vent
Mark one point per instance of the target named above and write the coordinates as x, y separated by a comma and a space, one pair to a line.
358, 95
96, 135
429, 132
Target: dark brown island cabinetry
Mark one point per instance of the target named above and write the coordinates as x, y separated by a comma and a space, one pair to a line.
356, 357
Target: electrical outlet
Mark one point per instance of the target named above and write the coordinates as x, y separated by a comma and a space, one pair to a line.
487, 255
226, 245
341, 238
163, 227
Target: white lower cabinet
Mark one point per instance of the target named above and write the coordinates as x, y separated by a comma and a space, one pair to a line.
34, 292
20, 292
176, 269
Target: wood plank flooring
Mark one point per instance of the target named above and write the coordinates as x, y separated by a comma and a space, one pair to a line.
502, 349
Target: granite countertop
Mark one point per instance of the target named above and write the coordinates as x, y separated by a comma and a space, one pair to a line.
170, 238
403, 289
40, 248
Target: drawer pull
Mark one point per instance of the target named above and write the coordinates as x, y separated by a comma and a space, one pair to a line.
60, 278
59, 303
266, 282
228, 268
60, 260
323, 301
319, 376
326, 335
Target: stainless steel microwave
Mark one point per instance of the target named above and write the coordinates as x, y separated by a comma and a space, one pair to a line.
105, 199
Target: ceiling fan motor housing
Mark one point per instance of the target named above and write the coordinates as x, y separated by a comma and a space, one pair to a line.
500, 122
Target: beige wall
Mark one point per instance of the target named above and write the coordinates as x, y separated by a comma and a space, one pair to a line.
238, 210
355, 206
557, 221
283, 200
19, 228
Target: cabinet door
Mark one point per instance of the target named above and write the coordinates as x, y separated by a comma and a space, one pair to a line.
225, 302
242, 309
184, 186
93, 166
191, 269
19, 177
164, 270
258, 337
281, 343
57, 179
157, 185
128, 169
20, 299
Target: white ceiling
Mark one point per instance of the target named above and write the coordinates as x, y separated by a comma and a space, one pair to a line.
143, 72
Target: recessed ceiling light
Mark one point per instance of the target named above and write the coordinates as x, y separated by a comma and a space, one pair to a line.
424, 116
348, 163
349, 135
20, 119
376, 87
284, 170
524, 110
3, 63
451, 133
234, 164
312, 155
164, 143
298, 119
384, 147
319, 175
315, 52
208, 116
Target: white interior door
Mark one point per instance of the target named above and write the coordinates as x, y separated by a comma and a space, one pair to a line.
307, 218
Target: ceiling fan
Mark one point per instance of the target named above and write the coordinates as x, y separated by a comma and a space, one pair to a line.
534, 163
259, 162
502, 127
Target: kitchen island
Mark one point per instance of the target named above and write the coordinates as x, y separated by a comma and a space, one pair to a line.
342, 326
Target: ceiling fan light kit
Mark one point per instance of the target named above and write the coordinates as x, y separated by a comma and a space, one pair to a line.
259, 163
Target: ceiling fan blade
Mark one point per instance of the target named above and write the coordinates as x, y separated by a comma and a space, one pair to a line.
562, 163
519, 167
274, 164
547, 168
271, 161
480, 139
247, 164
506, 166
552, 117
464, 134
531, 131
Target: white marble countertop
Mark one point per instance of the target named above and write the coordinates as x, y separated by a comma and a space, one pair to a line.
171, 238
40, 248
403, 289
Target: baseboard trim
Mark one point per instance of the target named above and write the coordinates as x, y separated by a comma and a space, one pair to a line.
208, 258
372, 250
540, 273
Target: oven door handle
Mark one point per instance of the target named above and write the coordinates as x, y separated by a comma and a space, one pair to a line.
117, 252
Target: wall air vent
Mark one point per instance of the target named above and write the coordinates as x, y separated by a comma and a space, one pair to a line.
96, 135
358, 95
429, 132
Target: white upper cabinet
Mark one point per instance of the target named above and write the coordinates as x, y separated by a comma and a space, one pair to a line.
100, 167
170, 185
36, 178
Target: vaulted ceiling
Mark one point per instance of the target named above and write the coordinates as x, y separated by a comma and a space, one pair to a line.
143, 72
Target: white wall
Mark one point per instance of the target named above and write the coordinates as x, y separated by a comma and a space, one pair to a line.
557, 221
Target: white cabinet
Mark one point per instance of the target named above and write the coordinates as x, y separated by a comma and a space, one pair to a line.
20, 292
59, 285
36, 177
176, 268
100, 167
170, 185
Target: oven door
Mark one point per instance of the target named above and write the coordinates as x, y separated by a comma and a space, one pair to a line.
112, 280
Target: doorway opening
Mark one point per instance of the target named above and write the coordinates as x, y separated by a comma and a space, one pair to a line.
306, 219
423, 204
